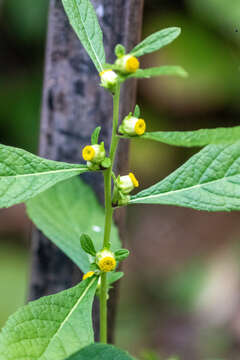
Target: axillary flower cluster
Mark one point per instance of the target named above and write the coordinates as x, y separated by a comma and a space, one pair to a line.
124, 65
103, 261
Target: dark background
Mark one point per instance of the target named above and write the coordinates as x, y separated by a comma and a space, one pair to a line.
181, 293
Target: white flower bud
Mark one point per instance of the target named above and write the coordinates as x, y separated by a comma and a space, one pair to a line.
127, 183
108, 79
132, 126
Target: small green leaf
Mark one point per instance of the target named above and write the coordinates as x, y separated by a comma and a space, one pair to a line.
114, 276
84, 21
209, 180
100, 351
24, 175
121, 254
158, 71
156, 41
119, 50
87, 244
137, 111
66, 211
95, 135
106, 163
200, 137
51, 328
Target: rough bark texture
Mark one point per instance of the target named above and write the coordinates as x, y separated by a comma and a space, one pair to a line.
73, 105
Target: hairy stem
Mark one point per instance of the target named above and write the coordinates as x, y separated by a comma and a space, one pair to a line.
108, 214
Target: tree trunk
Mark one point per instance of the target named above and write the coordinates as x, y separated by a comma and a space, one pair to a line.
73, 105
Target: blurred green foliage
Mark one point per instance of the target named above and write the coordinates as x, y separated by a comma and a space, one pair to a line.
13, 277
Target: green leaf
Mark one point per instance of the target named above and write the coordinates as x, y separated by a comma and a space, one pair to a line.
66, 211
52, 327
210, 180
158, 71
121, 254
100, 352
84, 21
95, 135
87, 244
137, 111
114, 276
196, 138
156, 41
24, 175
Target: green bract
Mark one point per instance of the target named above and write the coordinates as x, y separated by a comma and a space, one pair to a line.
210, 181
48, 329
83, 19
24, 175
66, 211
87, 244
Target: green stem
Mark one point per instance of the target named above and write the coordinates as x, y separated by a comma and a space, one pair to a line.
108, 214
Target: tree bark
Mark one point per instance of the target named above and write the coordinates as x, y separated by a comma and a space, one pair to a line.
73, 105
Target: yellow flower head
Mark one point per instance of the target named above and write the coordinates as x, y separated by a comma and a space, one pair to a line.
106, 260
134, 180
140, 127
88, 153
107, 264
88, 275
131, 64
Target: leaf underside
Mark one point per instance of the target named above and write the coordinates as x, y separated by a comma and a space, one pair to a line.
84, 21
200, 137
66, 211
24, 175
100, 352
210, 180
51, 328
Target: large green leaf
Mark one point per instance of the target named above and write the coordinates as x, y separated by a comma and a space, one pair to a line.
156, 41
66, 211
158, 71
100, 352
24, 175
196, 138
84, 21
51, 328
210, 181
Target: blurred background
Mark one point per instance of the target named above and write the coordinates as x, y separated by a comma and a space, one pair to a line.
182, 290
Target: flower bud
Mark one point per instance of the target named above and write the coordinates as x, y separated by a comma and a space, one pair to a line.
88, 275
94, 153
106, 261
127, 64
132, 126
127, 183
108, 79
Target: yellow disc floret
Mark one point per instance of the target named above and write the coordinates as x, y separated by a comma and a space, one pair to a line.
107, 264
88, 153
132, 64
134, 180
140, 127
88, 275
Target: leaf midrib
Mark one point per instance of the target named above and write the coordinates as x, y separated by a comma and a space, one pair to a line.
43, 173
69, 315
184, 189
88, 39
